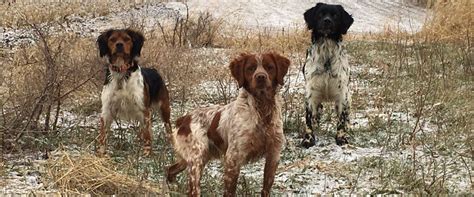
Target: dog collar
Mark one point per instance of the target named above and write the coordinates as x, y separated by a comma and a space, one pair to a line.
121, 69
125, 69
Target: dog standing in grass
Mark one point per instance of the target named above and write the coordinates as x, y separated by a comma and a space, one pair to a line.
240, 132
326, 69
130, 92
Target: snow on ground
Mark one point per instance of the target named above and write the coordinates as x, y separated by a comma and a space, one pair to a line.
23, 173
369, 16
89, 26
324, 168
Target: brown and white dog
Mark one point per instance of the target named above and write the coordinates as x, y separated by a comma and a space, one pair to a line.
242, 131
130, 92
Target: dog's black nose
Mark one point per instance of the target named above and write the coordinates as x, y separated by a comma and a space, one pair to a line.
261, 77
327, 21
119, 47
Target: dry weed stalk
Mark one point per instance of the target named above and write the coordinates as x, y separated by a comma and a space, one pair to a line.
192, 30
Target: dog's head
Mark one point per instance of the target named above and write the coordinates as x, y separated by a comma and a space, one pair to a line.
328, 20
260, 74
121, 46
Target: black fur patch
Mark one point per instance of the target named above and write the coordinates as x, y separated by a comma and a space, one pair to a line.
315, 15
343, 119
154, 81
107, 75
309, 116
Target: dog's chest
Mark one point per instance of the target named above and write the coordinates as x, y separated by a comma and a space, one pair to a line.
251, 137
326, 70
124, 98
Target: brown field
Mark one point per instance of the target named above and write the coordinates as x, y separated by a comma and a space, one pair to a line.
412, 105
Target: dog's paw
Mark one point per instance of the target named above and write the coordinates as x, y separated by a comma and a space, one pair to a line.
341, 139
308, 140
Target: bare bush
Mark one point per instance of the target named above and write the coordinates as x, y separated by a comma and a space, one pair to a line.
40, 79
194, 31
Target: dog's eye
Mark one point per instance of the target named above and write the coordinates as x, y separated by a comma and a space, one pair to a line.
270, 67
251, 68
126, 39
113, 39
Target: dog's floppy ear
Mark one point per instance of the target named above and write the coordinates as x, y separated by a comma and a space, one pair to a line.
310, 16
237, 68
102, 43
346, 20
137, 40
282, 65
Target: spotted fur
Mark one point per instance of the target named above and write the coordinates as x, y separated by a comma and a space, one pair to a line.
326, 69
240, 132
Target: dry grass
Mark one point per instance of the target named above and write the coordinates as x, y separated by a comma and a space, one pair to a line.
427, 76
21, 14
87, 174
452, 21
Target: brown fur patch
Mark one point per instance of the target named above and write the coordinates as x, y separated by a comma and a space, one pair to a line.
237, 68
282, 65
212, 133
146, 96
184, 124
146, 129
120, 37
174, 170
102, 131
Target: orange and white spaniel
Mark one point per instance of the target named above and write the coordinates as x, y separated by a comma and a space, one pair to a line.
242, 131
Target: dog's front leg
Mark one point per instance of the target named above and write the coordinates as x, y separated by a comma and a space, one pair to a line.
146, 132
105, 121
231, 174
313, 112
271, 163
195, 168
342, 109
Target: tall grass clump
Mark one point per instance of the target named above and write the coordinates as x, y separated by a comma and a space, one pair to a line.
451, 21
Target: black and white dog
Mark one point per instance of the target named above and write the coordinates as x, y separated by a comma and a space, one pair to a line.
130, 92
326, 69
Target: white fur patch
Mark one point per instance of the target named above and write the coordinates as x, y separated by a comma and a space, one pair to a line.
325, 83
124, 98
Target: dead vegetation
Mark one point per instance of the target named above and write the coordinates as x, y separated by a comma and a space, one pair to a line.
86, 173
451, 21
40, 79
427, 77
